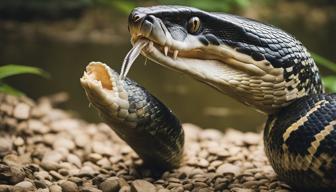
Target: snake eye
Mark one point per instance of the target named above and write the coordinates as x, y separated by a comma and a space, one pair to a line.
194, 24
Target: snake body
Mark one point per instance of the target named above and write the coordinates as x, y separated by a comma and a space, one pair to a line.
260, 66
138, 117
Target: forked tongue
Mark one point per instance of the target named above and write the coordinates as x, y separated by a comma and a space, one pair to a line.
131, 56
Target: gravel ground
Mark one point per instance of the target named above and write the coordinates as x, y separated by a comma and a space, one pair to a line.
43, 148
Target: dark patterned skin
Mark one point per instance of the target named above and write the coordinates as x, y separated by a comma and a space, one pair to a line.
158, 137
317, 114
300, 139
258, 40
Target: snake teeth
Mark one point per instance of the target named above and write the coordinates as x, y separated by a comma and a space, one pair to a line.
175, 54
166, 49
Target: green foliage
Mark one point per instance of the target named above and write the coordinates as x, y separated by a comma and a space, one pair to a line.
210, 5
126, 6
324, 62
11, 70
328, 81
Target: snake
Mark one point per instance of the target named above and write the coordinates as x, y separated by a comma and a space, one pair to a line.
255, 63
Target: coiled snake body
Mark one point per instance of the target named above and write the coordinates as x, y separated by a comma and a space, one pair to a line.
259, 65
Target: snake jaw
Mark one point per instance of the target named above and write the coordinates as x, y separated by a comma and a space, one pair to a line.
104, 90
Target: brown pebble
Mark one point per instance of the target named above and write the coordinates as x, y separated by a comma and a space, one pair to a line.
56, 175
37, 126
74, 159
68, 186
90, 189
6, 188
55, 188
228, 168
40, 184
6, 146
24, 186
142, 186
21, 111
110, 185
18, 141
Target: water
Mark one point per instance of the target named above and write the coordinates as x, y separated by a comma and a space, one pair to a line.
191, 101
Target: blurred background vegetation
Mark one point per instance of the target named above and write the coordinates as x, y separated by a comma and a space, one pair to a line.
63, 36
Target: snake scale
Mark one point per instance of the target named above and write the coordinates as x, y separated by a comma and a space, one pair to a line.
255, 63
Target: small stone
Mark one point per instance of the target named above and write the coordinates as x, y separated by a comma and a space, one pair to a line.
142, 186
55, 188
125, 189
86, 171
74, 159
203, 163
56, 175
94, 157
37, 126
64, 124
24, 186
40, 184
64, 143
90, 189
68, 186
110, 185
42, 175
228, 168
82, 140
6, 188
237, 189
18, 141
13, 174
251, 138
52, 156
105, 163
21, 111
6, 146
50, 165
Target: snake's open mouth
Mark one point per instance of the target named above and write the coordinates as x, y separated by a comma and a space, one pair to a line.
104, 88
98, 73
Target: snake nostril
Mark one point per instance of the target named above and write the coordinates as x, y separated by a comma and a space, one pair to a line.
136, 18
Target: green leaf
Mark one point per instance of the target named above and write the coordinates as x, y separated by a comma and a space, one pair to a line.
4, 88
10, 70
324, 62
123, 6
330, 83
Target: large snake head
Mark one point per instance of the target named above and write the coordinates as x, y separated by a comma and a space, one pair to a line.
255, 63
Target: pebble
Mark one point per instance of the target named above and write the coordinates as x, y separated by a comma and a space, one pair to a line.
37, 126
55, 188
42, 175
18, 141
52, 156
110, 185
21, 111
68, 186
142, 186
24, 186
6, 188
74, 159
52, 151
6, 146
81, 140
228, 168
64, 143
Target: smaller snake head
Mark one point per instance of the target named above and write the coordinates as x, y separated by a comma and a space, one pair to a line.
255, 63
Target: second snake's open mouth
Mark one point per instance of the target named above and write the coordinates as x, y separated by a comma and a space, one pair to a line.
99, 73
